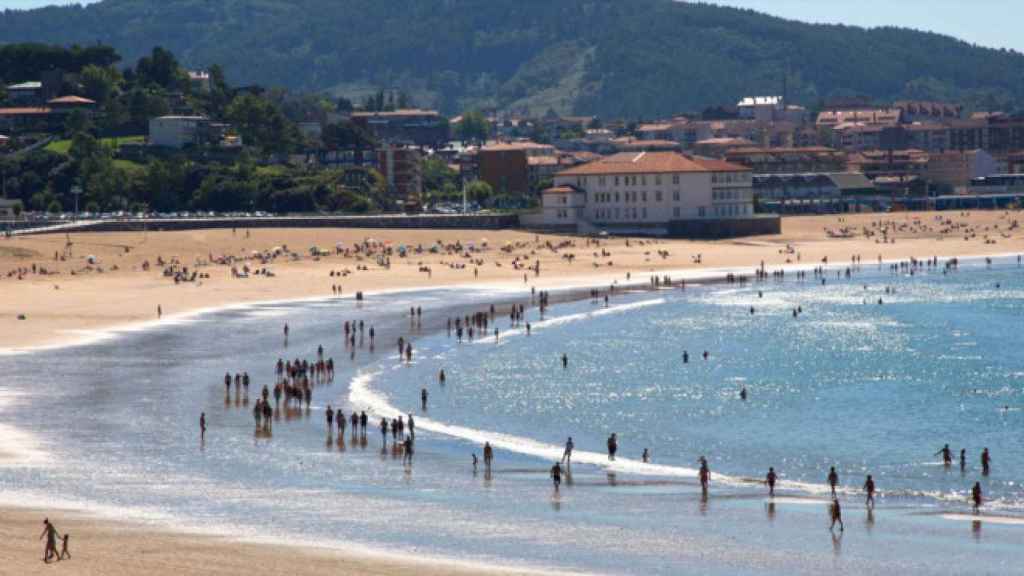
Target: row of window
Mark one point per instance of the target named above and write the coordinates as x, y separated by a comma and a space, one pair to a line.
728, 177
730, 194
606, 197
605, 214
732, 210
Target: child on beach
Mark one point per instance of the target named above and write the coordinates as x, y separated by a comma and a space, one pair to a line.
64, 554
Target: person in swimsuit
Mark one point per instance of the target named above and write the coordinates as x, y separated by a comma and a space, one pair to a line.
869, 489
488, 455
986, 462
833, 480
947, 455
613, 446
976, 496
837, 515
567, 455
770, 480
50, 533
556, 475
202, 426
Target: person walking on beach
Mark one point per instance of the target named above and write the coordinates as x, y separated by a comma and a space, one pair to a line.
64, 554
837, 515
986, 462
556, 475
50, 533
488, 456
441, 377
407, 452
412, 427
330, 420
423, 398
567, 455
202, 426
613, 446
833, 480
947, 455
869, 489
770, 480
976, 496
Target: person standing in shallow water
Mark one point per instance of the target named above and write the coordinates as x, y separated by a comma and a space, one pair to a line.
770, 480
567, 455
565, 361
976, 496
423, 398
613, 446
986, 462
947, 455
202, 426
833, 480
837, 515
556, 475
869, 489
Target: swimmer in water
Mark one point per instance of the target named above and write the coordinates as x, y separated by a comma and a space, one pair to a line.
743, 393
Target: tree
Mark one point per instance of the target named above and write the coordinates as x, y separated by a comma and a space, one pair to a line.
77, 122
160, 68
262, 124
17, 208
54, 207
474, 127
479, 191
99, 83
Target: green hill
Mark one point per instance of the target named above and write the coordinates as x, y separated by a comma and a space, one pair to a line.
632, 58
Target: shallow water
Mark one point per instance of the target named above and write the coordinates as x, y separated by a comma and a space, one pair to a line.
868, 388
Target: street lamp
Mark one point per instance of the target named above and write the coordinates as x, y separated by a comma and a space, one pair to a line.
76, 191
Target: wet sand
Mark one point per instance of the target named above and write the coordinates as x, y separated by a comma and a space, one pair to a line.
100, 547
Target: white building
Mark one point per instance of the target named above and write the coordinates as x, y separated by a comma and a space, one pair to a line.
176, 131
650, 191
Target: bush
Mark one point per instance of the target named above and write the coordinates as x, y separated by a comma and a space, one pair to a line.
54, 207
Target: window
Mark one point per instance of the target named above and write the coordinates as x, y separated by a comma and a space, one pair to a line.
616, 180
600, 181
702, 212
643, 196
616, 196
675, 178
657, 179
675, 195
643, 180
657, 196
644, 213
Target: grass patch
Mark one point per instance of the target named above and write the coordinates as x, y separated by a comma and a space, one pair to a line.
64, 146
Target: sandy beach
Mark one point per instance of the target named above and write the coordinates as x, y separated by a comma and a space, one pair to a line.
112, 549
75, 296
98, 281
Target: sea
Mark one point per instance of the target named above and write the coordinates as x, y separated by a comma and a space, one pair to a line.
875, 374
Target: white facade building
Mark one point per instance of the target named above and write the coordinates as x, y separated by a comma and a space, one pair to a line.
650, 189
176, 131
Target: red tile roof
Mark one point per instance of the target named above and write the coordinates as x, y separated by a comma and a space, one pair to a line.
561, 190
28, 111
651, 163
71, 100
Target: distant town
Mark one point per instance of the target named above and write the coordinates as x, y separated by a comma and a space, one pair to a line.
84, 136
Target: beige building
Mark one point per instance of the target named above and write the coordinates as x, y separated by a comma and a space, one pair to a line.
649, 190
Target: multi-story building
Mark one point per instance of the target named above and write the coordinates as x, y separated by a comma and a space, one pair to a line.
419, 127
659, 193
953, 170
788, 160
184, 131
514, 167
402, 170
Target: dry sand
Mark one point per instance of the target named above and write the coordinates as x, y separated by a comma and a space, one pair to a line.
59, 307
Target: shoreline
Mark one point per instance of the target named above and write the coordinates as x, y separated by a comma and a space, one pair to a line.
572, 284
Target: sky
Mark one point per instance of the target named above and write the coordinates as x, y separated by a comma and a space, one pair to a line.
991, 23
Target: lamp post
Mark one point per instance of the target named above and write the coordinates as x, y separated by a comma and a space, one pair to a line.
76, 191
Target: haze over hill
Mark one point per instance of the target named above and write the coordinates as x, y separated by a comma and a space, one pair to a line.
641, 58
